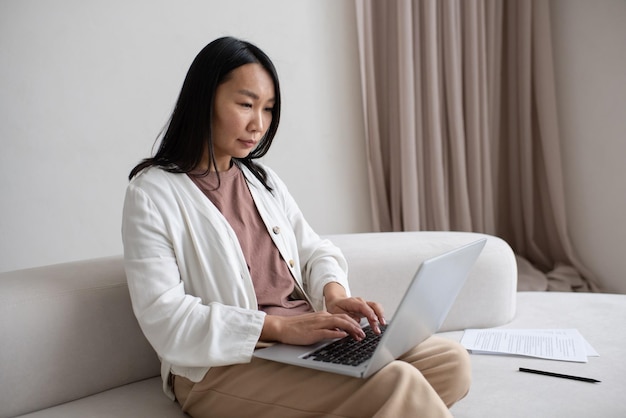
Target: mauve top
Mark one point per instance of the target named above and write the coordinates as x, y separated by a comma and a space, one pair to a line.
273, 283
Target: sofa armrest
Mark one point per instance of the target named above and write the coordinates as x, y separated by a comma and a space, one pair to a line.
381, 266
68, 331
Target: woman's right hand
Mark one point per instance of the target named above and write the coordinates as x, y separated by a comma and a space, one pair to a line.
309, 328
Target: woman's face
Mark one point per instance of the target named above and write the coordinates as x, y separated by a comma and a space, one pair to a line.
242, 113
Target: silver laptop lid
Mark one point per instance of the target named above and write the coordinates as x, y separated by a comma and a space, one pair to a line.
426, 303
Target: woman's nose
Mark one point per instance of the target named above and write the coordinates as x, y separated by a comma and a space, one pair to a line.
257, 123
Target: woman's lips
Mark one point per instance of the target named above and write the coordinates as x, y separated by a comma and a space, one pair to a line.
249, 143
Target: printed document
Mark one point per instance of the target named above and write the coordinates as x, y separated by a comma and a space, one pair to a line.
553, 344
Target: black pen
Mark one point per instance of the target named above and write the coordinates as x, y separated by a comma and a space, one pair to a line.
564, 376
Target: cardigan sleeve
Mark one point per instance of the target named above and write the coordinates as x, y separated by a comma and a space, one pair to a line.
182, 330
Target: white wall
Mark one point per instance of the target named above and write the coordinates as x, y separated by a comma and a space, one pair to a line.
590, 61
87, 85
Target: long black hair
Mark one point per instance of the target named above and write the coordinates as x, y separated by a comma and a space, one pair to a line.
188, 132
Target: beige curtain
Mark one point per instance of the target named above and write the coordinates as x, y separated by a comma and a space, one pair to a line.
461, 127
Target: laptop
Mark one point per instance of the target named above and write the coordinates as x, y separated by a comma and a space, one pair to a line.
422, 310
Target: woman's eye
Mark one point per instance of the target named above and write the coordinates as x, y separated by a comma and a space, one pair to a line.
269, 109
247, 105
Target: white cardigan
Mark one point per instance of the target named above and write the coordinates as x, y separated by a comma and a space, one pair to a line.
189, 283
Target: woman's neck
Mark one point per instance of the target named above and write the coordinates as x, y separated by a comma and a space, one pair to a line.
223, 165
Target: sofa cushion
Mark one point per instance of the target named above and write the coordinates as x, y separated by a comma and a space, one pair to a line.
381, 265
67, 332
140, 399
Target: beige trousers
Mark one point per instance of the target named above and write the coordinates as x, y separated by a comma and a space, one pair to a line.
423, 383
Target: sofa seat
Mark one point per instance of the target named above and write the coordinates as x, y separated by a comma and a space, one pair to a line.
500, 390
143, 399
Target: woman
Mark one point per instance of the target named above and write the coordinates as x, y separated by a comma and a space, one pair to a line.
219, 260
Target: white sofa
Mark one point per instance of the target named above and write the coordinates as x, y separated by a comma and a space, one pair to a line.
71, 347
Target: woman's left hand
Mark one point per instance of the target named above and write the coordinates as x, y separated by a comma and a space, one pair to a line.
338, 303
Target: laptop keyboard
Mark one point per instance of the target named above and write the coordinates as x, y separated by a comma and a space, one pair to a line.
347, 350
